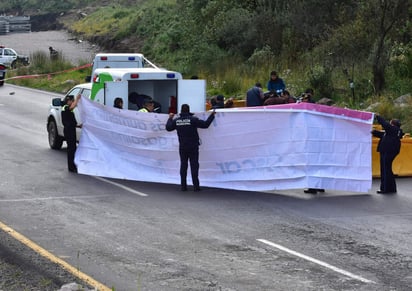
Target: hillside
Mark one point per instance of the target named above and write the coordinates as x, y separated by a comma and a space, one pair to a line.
352, 52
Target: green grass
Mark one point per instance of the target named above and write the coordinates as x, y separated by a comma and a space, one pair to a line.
49, 75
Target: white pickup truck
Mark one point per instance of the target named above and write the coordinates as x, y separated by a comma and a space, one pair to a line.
54, 119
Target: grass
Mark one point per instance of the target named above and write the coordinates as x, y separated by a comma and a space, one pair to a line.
55, 75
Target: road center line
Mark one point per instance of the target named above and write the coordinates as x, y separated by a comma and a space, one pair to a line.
121, 186
313, 260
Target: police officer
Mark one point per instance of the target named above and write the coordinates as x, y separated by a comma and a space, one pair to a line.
186, 125
389, 147
70, 124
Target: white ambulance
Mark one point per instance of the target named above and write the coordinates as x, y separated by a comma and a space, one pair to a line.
119, 60
167, 88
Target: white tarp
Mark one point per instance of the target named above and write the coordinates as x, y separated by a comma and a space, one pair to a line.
277, 147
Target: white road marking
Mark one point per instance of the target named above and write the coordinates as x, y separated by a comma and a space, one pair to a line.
313, 260
121, 186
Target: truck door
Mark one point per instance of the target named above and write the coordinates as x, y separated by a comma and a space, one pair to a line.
192, 92
116, 89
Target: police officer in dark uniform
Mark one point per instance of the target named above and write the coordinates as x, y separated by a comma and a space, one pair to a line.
70, 124
389, 147
186, 125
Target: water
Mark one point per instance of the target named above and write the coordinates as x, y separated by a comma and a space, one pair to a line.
72, 49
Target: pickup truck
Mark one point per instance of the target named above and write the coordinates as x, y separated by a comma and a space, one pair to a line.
54, 118
11, 59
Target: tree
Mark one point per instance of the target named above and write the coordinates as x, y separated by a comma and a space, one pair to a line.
384, 15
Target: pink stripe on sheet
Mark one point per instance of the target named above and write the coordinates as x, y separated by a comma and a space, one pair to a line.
363, 115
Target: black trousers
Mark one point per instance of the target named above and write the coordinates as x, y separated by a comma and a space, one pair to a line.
70, 136
192, 155
388, 183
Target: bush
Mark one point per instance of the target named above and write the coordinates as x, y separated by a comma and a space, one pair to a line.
320, 79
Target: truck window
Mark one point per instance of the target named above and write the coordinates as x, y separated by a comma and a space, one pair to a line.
86, 93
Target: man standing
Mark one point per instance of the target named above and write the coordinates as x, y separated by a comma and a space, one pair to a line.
189, 141
389, 147
70, 124
255, 96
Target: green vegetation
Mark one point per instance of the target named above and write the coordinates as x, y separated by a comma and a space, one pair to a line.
47, 74
233, 44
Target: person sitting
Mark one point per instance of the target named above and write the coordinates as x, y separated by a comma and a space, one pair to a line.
118, 103
148, 105
275, 84
229, 103
308, 96
288, 98
220, 102
255, 96
213, 102
274, 99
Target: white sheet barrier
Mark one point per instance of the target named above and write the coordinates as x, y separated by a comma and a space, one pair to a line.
269, 148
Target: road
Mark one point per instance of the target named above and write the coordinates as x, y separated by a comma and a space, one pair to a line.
212, 240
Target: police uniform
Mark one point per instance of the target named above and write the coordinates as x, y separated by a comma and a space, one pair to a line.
389, 147
186, 125
69, 123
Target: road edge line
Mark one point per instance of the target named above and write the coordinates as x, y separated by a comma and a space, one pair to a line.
46, 254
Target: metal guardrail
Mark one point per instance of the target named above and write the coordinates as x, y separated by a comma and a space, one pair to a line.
14, 24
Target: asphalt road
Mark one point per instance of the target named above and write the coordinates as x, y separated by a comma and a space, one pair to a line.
212, 240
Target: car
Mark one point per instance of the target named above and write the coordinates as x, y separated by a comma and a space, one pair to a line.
11, 59
54, 119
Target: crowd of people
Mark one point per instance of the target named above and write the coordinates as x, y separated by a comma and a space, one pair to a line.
276, 94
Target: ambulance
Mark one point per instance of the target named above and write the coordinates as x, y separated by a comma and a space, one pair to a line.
166, 88
119, 60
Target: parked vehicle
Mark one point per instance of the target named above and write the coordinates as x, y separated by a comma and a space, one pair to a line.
167, 88
10, 58
54, 119
2, 74
119, 60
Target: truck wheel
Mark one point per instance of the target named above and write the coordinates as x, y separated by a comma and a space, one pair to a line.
55, 141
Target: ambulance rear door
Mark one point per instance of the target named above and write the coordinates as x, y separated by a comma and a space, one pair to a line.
116, 89
192, 92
